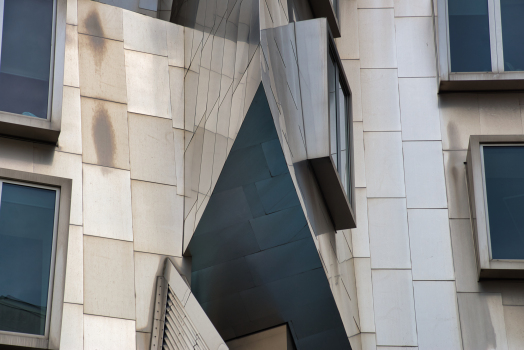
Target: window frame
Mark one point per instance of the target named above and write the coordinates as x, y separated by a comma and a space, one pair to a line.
33, 128
63, 188
487, 267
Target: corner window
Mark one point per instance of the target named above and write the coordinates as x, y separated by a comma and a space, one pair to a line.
338, 124
28, 226
26, 50
486, 35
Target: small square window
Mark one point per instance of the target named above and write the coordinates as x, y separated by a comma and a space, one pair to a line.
495, 176
34, 226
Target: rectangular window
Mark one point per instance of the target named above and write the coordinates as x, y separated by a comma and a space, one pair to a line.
504, 186
512, 16
28, 229
338, 124
26, 56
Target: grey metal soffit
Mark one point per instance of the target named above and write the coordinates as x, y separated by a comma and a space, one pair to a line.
255, 264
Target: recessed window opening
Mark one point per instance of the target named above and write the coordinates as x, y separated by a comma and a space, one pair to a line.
28, 230
26, 56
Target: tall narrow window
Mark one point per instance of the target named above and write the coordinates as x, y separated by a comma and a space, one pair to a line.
26, 42
512, 13
27, 238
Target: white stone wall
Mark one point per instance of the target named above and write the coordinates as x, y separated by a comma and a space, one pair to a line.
414, 255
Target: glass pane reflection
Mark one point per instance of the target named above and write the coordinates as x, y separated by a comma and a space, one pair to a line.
26, 56
332, 77
26, 241
469, 36
512, 13
504, 174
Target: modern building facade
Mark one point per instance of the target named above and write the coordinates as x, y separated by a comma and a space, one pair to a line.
261, 174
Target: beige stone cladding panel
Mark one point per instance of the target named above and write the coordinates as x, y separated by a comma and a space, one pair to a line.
71, 71
457, 192
72, 334
100, 20
109, 287
108, 333
70, 139
105, 137
102, 68
144, 34
377, 43
74, 282
16, 155
348, 45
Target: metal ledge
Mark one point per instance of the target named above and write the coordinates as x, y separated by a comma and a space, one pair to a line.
30, 128
333, 193
324, 9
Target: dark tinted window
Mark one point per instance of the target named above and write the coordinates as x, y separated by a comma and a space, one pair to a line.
504, 175
26, 242
512, 13
469, 36
25, 56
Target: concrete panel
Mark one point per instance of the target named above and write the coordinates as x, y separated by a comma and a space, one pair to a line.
100, 20
424, 171
107, 203
16, 155
74, 282
482, 321
457, 191
360, 234
388, 233
144, 34
102, 68
364, 294
430, 244
437, 315
109, 286
352, 70
380, 100
72, 334
376, 31
157, 218
500, 114
71, 73
415, 47
459, 118
147, 79
105, 138
70, 139
384, 164
152, 149
108, 333
67, 165
394, 308
419, 109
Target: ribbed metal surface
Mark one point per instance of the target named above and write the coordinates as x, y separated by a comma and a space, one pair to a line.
179, 331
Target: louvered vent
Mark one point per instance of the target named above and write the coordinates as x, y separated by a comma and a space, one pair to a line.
179, 331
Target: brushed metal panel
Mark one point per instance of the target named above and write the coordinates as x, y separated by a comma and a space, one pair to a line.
108, 333
72, 335
109, 288
388, 233
102, 68
74, 279
437, 315
147, 78
144, 34
179, 136
152, 149
107, 203
100, 20
415, 47
394, 308
380, 100
157, 218
49, 162
424, 174
419, 109
71, 72
378, 48
105, 139
70, 139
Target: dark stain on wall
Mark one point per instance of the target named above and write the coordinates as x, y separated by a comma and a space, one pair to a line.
104, 136
98, 45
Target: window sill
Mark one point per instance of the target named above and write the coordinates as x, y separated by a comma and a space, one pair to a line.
482, 82
31, 128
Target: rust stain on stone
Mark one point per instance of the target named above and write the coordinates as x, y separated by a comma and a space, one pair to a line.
104, 136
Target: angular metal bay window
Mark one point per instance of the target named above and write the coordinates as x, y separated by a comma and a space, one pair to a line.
34, 226
32, 41
495, 174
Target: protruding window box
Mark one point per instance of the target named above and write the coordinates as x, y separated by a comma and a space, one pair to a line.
495, 178
32, 49
326, 99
